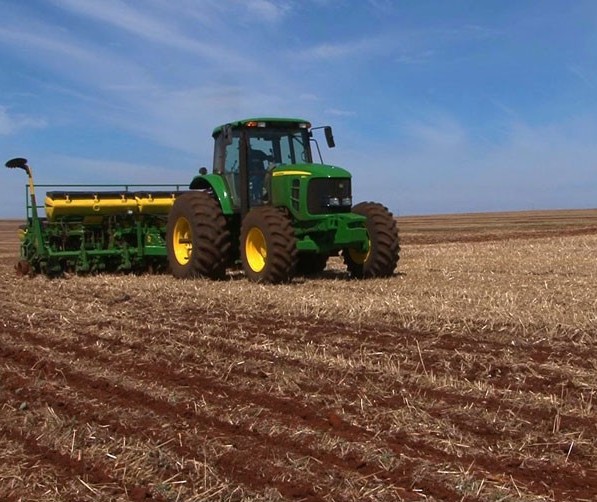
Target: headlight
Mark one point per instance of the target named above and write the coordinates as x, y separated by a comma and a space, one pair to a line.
333, 202
347, 201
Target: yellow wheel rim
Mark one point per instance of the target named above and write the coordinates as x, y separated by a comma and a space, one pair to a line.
358, 257
182, 241
256, 249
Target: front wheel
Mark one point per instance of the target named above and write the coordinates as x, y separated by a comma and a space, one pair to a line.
268, 246
382, 257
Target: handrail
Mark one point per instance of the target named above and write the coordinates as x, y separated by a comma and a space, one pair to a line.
126, 187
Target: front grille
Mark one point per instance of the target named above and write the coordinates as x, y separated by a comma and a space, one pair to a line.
321, 190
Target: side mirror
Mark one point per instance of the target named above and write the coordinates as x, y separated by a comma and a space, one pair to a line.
203, 171
329, 137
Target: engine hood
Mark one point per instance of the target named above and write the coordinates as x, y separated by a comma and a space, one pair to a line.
313, 170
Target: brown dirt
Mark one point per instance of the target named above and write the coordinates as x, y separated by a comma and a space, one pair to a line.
149, 388
482, 227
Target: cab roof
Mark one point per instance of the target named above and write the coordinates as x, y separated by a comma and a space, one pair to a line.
264, 122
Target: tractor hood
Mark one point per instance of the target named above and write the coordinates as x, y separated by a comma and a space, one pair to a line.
312, 170
311, 190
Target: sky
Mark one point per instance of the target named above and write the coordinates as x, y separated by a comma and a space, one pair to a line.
437, 106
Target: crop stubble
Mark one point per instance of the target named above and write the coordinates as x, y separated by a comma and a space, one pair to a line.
470, 375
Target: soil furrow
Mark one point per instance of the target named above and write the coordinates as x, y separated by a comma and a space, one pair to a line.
443, 405
433, 454
93, 472
205, 379
246, 452
181, 416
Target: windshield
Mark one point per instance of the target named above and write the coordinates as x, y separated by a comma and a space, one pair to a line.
279, 146
266, 148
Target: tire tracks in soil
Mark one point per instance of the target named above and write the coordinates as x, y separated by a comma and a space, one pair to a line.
433, 454
528, 356
537, 383
530, 377
324, 329
65, 466
250, 447
292, 413
95, 473
452, 398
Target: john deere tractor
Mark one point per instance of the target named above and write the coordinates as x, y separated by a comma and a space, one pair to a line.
266, 205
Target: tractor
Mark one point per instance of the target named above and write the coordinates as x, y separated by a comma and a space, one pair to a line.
266, 205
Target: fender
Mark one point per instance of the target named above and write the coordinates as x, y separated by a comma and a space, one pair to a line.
219, 188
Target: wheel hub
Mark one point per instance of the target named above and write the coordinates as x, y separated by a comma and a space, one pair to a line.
182, 243
358, 257
256, 249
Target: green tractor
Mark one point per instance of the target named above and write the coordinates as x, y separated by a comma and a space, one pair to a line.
266, 205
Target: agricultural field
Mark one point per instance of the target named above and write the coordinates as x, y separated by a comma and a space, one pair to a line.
470, 375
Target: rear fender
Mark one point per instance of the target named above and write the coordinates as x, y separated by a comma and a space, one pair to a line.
218, 187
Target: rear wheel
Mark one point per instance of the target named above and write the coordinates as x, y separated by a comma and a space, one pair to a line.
268, 246
384, 248
197, 238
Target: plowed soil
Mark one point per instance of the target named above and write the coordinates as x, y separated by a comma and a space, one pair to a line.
468, 376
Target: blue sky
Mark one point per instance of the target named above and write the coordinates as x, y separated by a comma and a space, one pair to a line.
437, 106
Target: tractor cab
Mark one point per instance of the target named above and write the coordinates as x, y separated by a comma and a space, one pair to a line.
247, 152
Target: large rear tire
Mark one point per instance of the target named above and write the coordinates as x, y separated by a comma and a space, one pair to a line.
197, 238
268, 246
384, 247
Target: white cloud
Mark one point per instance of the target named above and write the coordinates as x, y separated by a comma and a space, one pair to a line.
382, 6
125, 17
70, 59
437, 131
38, 41
309, 97
350, 49
11, 123
152, 25
168, 101
445, 170
583, 75
466, 32
267, 11
340, 113
183, 118
414, 57
105, 170
160, 75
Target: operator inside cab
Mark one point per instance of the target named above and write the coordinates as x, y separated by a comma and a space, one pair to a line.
258, 161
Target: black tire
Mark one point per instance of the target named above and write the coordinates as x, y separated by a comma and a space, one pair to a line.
197, 237
268, 246
311, 263
384, 246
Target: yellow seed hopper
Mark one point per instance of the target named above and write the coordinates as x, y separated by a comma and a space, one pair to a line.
77, 204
